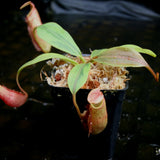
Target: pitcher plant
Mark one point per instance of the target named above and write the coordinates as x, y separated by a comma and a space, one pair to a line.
52, 34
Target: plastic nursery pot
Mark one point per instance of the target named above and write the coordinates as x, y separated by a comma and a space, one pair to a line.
70, 139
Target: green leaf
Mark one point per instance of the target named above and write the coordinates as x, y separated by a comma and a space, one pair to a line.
96, 52
44, 57
127, 46
124, 56
139, 49
120, 57
78, 76
59, 38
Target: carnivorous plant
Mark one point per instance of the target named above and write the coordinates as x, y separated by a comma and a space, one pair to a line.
52, 34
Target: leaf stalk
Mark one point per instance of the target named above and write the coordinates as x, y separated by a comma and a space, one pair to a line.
76, 106
155, 75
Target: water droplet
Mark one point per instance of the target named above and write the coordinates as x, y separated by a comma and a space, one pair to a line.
139, 118
26, 118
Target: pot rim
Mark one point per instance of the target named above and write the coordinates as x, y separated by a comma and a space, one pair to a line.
111, 90
103, 90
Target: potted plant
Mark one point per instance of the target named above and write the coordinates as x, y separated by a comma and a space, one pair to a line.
94, 84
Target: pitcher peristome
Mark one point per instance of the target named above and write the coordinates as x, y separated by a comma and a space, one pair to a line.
97, 118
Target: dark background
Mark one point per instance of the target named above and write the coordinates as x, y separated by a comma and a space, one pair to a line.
22, 130
154, 4
7, 6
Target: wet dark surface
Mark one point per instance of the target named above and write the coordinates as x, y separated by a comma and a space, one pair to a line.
21, 129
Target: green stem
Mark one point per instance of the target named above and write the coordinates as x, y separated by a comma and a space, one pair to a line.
90, 60
71, 61
82, 59
76, 106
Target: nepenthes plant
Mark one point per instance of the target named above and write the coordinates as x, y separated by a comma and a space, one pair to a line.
52, 34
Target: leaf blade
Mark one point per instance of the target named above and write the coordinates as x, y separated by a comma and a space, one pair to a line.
55, 35
44, 57
120, 57
78, 76
139, 49
96, 52
123, 56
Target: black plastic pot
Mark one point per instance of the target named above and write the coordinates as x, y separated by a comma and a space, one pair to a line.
70, 140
